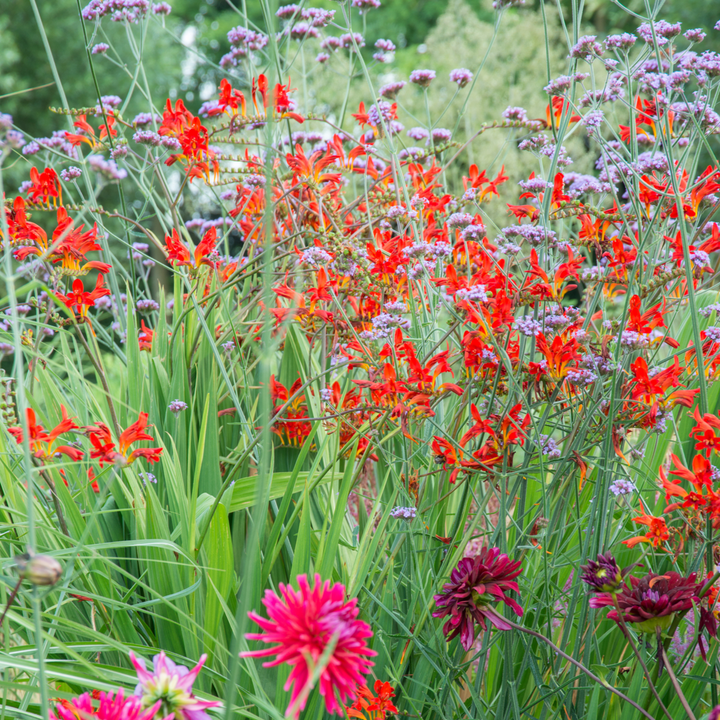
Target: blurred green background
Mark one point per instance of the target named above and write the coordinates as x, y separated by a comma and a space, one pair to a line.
202, 25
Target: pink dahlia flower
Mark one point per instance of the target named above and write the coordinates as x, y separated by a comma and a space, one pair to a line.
304, 623
118, 707
169, 688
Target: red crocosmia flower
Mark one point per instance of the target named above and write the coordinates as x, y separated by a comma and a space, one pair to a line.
136, 433
283, 104
87, 134
554, 289
104, 448
259, 87
178, 253
657, 533
644, 123
145, 337
559, 355
110, 707
69, 247
694, 499
646, 322
478, 180
701, 473
373, 705
290, 427
303, 623
593, 231
312, 168
41, 442
448, 454
196, 154
651, 602
651, 389
706, 184
45, 185
175, 120
229, 98
80, 300
361, 116
20, 229
555, 110
474, 584
704, 432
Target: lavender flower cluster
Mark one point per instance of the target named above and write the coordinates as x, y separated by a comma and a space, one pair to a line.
404, 513
9, 138
57, 141
131, 11
243, 41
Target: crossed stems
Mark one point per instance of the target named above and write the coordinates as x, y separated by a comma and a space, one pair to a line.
663, 657
577, 664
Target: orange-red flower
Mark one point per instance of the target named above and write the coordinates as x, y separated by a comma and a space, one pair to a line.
373, 705
178, 253
20, 229
41, 442
104, 447
555, 110
554, 289
87, 134
80, 300
196, 155
704, 432
145, 337
657, 533
69, 247
45, 185
229, 98
651, 389
291, 427
312, 168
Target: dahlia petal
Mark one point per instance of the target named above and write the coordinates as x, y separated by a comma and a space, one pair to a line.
139, 664
498, 621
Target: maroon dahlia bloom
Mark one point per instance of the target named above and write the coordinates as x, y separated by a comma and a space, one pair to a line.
474, 584
603, 575
651, 602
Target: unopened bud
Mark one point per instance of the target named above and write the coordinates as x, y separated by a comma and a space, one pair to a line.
39, 569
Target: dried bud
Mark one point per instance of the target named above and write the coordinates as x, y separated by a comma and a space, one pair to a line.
38, 569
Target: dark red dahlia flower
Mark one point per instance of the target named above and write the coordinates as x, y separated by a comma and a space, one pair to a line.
603, 575
651, 602
474, 584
